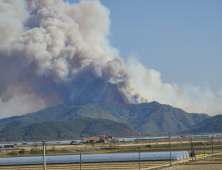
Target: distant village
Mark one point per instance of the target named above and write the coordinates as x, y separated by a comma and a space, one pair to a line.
101, 139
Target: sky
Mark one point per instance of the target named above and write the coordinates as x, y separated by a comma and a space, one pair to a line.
116, 52
180, 39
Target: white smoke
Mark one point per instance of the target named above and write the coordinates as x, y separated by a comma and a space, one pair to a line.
188, 97
54, 52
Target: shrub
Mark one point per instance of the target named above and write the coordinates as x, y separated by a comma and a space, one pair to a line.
23, 151
53, 148
93, 144
148, 146
13, 153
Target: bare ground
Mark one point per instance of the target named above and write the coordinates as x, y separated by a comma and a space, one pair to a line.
209, 163
90, 166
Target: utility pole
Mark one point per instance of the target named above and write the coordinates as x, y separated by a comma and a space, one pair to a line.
44, 161
204, 146
139, 158
80, 158
170, 149
191, 148
212, 145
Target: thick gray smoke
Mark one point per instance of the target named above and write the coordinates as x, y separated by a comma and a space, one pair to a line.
55, 52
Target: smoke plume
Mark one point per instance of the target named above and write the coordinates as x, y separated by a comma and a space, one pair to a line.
54, 52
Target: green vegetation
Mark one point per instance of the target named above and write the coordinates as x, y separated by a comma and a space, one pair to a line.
23, 151
62, 121
211, 125
153, 118
52, 130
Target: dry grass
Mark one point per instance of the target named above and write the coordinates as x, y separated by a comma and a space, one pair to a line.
158, 145
212, 162
90, 166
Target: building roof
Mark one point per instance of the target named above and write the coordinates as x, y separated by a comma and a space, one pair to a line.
105, 137
90, 138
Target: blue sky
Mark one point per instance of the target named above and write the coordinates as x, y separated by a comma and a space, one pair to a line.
181, 39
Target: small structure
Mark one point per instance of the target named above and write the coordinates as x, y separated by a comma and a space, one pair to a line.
107, 139
9, 146
74, 142
90, 139
201, 136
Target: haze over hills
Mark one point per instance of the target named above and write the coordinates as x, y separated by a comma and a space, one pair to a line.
210, 125
147, 118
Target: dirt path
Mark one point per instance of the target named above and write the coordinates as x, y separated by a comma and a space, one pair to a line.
90, 166
196, 167
209, 163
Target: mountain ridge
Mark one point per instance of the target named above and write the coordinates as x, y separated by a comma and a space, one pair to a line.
210, 125
146, 118
57, 130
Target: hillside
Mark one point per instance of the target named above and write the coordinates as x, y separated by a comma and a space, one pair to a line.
57, 113
57, 130
210, 125
147, 118
153, 117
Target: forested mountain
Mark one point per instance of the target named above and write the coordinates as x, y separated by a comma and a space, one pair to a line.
147, 118
55, 130
210, 125
153, 117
